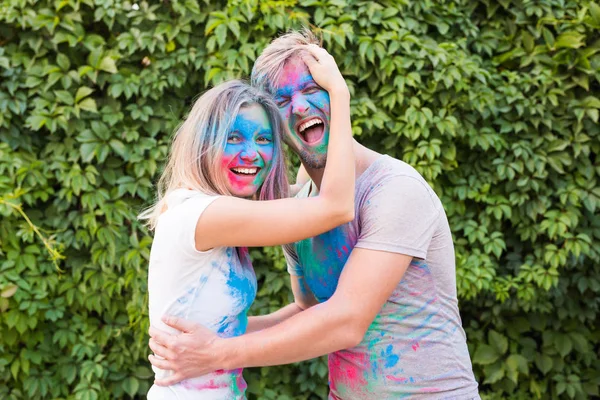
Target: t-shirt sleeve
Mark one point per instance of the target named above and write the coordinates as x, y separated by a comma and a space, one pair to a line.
399, 215
289, 250
185, 218
291, 257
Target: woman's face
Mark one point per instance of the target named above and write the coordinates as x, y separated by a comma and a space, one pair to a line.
249, 151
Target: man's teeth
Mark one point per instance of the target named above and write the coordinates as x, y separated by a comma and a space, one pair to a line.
248, 171
308, 124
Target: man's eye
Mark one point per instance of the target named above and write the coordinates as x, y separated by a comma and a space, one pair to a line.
282, 102
311, 89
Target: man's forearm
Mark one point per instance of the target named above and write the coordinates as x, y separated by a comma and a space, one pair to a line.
319, 330
266, 321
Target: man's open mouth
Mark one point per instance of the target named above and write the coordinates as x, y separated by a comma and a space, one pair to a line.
311, 130
245, 171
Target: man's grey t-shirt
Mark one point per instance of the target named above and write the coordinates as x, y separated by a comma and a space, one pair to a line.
416, 346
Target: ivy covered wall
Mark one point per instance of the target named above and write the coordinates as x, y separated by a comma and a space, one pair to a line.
495, 102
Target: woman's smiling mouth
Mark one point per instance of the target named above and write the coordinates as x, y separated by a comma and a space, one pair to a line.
249, 171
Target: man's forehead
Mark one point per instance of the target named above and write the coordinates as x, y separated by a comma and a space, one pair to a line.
293, 76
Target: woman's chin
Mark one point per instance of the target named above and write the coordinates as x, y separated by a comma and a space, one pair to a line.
246, 193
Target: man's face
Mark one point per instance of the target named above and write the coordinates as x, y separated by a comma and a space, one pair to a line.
304, 106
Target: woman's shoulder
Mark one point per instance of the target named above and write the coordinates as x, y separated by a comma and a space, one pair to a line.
181, 195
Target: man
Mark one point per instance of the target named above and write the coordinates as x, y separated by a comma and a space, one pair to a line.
378, 293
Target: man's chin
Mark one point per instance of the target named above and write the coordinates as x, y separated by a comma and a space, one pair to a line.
313, 160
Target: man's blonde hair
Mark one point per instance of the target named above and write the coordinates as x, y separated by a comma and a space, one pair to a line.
269, 65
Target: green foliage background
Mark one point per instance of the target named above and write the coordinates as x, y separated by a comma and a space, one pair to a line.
496, 103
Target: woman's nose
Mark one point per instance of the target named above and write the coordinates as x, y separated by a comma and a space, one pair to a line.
249, 153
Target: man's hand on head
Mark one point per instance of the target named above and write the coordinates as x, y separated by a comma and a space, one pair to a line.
188, 355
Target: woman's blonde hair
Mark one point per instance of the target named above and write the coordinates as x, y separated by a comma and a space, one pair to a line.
199, 142
268, 67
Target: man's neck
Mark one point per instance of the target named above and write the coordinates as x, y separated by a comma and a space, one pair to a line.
363, 158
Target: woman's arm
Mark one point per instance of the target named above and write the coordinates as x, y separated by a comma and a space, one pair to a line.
261, 322
231, 221
303, 299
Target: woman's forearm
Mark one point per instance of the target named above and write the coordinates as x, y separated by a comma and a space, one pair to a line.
338, 177
260, 322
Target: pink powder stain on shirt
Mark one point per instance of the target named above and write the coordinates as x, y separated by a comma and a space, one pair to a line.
397, 378
429, 390
206, 385
348, 370
415, 346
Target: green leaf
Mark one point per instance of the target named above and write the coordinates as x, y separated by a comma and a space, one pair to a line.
518, 363
63, 62
595, 12
64, 97
485, 355
88, 104
498, 341
493, 373
130, 385
118, 147
9, 291
571, 40
82, 92
563, 344
528, 41
548, 38
108, 64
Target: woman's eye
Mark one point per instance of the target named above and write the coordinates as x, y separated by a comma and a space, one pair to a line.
264, 140
233, 139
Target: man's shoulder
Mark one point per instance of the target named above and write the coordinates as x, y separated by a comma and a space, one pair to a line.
387, 170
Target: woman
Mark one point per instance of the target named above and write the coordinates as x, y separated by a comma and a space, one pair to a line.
225, 154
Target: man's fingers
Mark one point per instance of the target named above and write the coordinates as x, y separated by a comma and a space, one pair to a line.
159, 362
160, 336
159, 349
171, 380
181, 324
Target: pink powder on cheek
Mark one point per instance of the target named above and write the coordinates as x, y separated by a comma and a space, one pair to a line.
235, 183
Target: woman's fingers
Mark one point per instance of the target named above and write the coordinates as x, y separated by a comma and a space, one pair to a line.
323, 68
317, 52
310, 61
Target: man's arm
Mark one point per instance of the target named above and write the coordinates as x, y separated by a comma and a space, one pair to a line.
367, 281
303, 299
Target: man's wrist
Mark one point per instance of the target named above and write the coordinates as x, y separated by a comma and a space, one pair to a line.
228, 358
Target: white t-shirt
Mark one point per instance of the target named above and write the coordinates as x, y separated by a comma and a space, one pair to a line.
214, 288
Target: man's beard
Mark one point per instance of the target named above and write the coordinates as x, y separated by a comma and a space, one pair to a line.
313, 161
